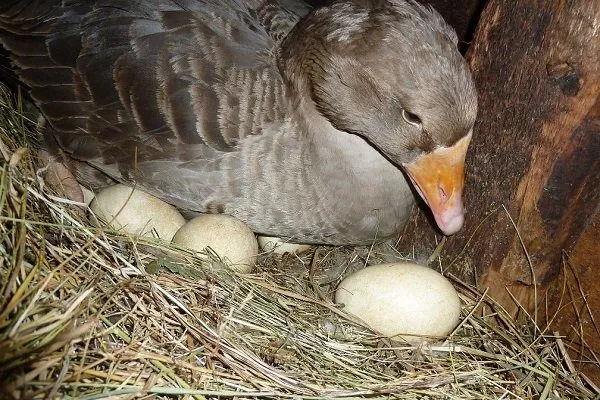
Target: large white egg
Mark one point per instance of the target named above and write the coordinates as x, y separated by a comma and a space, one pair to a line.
137, 213
228, 237
402, 300
278, 246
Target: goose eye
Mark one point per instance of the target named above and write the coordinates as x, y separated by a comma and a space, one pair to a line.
411, 118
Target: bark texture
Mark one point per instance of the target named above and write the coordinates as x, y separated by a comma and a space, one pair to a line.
575, 302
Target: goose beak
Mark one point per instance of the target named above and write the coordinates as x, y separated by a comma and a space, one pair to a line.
439, 178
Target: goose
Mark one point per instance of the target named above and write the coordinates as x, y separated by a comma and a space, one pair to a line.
312, 124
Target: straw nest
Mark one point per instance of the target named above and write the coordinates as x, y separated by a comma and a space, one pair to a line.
91, 313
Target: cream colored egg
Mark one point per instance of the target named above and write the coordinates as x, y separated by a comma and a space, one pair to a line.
402, 300
227, 236
278, 246
88, 195
135, 212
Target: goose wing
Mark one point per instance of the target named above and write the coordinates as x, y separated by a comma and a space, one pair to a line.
123, 82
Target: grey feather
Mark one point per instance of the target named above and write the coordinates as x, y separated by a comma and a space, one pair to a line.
285, 117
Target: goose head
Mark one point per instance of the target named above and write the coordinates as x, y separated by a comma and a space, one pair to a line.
390, 72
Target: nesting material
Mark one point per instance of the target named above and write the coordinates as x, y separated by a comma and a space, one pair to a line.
83, 313
228, 237
278, 246
136, 212
402, 300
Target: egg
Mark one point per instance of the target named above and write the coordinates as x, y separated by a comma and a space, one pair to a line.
88, 195
228, 237
135, 212
402, 300
278, 246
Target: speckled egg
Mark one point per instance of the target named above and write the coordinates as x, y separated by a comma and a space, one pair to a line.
228, 237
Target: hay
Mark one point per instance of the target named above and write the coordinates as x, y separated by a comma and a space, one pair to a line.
92, 314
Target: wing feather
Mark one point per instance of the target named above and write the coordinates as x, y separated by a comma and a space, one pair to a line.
124, 82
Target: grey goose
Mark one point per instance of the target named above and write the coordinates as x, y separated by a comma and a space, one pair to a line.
304, 123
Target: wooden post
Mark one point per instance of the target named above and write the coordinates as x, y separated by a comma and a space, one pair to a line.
535, 155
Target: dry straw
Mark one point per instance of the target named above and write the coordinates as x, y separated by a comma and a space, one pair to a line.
93, 314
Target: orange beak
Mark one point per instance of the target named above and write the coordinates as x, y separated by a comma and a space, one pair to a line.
439, 178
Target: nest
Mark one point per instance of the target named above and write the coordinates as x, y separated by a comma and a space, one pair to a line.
92, 313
